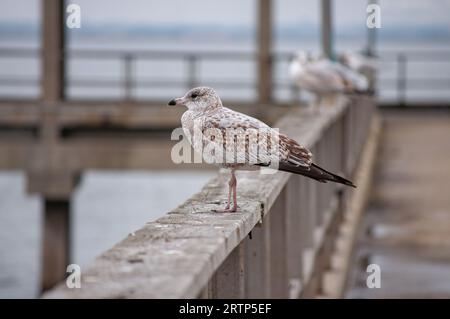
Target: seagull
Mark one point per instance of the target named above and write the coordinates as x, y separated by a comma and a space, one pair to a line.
205, 113
325, 78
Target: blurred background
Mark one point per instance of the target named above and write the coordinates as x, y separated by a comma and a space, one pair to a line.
110, 37
145, 52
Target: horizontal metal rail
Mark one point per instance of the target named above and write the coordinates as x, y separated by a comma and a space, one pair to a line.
403, 83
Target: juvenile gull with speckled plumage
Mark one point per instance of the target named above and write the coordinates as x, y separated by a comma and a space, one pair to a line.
225, 137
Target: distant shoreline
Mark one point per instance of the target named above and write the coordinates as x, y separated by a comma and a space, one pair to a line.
284, 32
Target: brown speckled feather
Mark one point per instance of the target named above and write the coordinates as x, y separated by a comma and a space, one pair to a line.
223, 119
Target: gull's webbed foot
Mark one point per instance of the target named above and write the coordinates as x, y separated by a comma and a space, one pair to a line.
227, 209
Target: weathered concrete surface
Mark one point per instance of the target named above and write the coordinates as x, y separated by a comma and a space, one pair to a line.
408, 221
336, 277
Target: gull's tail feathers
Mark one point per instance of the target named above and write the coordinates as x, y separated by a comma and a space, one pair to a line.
315, 172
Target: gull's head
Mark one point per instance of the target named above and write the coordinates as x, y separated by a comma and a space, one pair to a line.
198, 99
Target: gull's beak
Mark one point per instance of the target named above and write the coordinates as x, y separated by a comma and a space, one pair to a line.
178, 101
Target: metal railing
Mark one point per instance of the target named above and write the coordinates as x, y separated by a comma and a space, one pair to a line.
401, 82
128, 60
10, 79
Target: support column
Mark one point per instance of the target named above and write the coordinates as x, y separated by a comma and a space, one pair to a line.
371, 36
264, 51
229, 279
47, 173
279, 281
257, 261
327, 29
52, 50
56, 242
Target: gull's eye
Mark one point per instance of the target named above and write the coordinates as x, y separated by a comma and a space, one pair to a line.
194, 95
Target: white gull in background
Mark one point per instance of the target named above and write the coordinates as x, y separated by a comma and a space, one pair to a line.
205, 112
325, 78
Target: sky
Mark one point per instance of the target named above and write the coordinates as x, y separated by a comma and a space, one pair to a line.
236, 12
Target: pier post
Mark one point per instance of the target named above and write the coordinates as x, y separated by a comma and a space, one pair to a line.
52, 55
56, 241
327, 28
279, 281
46, 173
264, 51
371, 36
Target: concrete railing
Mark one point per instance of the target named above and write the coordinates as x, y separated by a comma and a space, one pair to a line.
277, 245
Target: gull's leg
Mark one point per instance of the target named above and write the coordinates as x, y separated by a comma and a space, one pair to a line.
229, 196
234, 188
231, 190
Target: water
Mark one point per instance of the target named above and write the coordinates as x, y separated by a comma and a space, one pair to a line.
107, 206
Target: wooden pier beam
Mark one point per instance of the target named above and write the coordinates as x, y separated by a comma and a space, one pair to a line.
371, 36
326, 28
264, 51
56, 241
48, 164
53, 44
